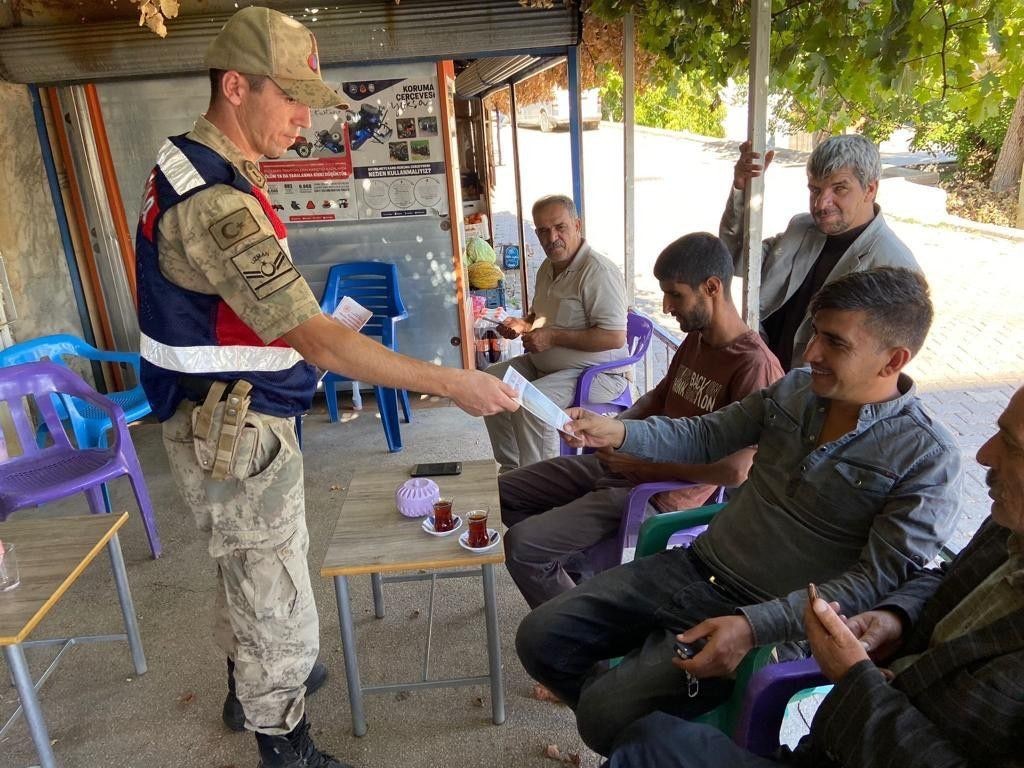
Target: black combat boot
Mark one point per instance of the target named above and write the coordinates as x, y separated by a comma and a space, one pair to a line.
294, 750
234, 716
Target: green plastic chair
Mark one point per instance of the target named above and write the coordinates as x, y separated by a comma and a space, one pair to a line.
733, 716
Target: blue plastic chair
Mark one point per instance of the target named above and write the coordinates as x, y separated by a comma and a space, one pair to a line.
639, 330
89, 424
374, 285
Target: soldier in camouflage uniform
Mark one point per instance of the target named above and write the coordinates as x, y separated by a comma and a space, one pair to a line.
230, 335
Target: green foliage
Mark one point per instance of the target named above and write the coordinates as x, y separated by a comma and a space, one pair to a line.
975, 146
867, 64
679, 103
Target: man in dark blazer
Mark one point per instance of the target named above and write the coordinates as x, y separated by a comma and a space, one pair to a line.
951, 692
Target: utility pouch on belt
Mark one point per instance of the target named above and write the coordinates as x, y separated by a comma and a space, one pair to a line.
223, 446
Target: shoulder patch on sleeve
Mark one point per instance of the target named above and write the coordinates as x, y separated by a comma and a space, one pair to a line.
265, 267
234, 227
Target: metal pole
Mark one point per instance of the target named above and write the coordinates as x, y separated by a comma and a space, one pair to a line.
629, 155
124, 597
523, 261
377, 583
757, 118
572, 59
493, 646
348, 649
30, 702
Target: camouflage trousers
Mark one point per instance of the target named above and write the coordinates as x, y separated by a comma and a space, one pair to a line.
265, 618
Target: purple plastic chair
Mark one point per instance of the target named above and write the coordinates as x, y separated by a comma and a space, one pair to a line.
42, 475
639, 331
765, 698
608, 554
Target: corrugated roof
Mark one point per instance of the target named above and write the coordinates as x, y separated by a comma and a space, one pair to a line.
356, 31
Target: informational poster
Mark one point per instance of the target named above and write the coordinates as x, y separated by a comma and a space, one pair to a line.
312, 182
381, 157
397, 148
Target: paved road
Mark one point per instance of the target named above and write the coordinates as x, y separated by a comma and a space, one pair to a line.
974, 357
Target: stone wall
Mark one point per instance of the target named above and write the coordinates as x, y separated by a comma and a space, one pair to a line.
29, 238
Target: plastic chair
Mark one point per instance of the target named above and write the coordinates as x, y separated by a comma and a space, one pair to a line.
611, 552
43, 474
374, 285
639, 330
89, 424
754, 712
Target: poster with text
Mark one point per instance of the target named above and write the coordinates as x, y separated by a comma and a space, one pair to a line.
312, 182
395, 134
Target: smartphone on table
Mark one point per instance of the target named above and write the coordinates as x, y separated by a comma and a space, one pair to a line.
438, 468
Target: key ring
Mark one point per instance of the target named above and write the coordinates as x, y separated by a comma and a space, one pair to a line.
692, 686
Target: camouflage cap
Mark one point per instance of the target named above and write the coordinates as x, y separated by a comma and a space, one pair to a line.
262, 41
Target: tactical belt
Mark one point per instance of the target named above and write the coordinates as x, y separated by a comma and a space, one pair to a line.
236, 405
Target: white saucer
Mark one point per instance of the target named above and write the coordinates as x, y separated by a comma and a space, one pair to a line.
492, 535
428, 526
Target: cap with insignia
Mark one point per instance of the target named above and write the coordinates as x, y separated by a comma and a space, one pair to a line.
262, 41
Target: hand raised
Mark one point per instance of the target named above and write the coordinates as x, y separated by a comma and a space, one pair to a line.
749, 165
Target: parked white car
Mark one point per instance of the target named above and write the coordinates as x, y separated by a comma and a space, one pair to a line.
554, 113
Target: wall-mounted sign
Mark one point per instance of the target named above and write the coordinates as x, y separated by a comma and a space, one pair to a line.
380, 158
312, 182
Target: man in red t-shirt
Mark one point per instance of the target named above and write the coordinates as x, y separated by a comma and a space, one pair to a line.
557, 509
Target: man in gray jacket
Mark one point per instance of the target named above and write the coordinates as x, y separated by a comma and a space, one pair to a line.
854, 486
844, 232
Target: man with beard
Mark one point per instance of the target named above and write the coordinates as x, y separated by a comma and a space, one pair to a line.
844, 232
577, 319
557, 509
948, 687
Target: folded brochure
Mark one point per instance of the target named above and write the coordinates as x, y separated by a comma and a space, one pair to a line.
536, 402
351, 313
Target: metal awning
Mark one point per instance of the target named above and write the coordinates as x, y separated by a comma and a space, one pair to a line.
352, 32
484, 76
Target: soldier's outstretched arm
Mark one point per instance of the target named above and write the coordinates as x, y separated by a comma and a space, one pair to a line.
331, 346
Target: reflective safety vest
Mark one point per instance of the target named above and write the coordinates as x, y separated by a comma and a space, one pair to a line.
191, 334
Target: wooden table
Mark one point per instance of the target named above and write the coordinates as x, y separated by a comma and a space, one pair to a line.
372, 537
52, 553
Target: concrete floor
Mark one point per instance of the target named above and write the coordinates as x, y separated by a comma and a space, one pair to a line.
100, 714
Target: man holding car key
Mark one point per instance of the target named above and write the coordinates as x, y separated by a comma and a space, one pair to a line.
853, 486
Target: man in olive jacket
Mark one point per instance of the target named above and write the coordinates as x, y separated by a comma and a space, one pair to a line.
952, 639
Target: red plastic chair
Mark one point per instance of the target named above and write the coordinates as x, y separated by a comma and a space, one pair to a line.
44, 474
